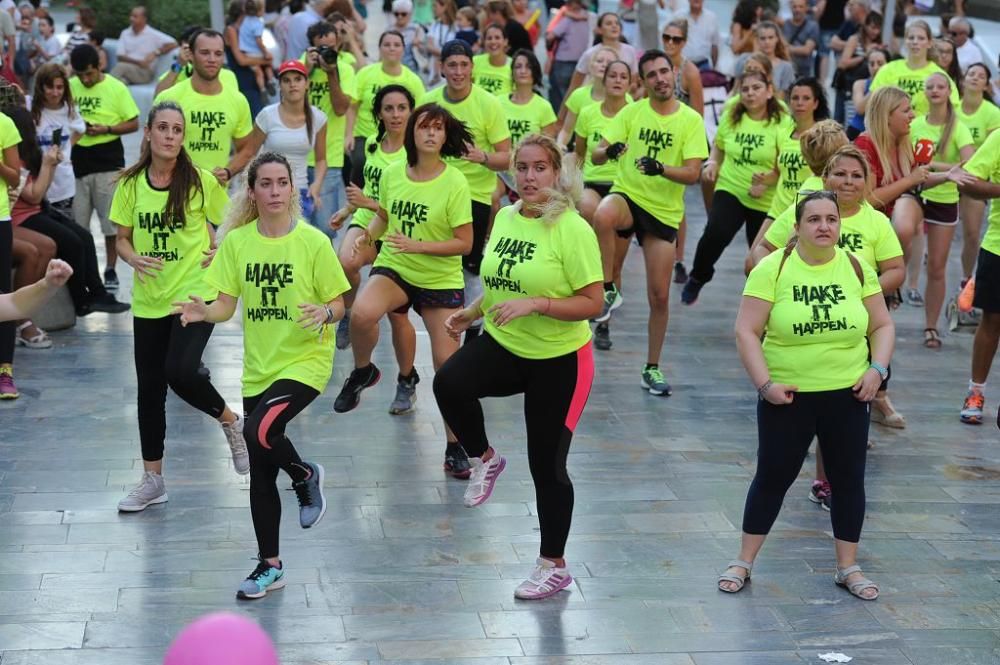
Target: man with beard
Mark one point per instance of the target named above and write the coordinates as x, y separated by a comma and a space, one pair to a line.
659, 144
217, 116
484, 118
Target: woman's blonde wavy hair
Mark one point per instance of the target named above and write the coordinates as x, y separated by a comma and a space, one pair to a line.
880, 106
568, 189
242, 209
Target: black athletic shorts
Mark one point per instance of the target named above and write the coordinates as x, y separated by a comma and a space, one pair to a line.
643, 222
418, 297
987, 296
602, 188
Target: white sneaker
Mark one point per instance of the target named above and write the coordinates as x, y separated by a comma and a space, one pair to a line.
483, 479
546, 580
237, 446
151, 489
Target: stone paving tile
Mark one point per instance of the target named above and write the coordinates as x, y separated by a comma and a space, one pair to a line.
400, 572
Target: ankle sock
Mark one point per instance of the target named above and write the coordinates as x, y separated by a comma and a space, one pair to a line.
978, 387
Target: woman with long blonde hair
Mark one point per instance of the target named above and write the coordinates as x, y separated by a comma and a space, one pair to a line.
290, 281
541, 283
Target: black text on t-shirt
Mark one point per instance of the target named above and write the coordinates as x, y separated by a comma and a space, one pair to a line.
820, 298
512, 252
793, 163
410, 214
270, 278
160, 225
208, 122
655, 140
748, 142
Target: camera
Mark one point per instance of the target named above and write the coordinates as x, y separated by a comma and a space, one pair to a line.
329, 54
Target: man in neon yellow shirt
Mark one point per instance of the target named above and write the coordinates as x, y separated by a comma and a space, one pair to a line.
484, 118
659, 144
218, 117
985, 166
110, 112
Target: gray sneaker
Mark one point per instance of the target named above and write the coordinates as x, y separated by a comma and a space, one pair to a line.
312, 503
406, 394
344, 331
237, 446
151, 489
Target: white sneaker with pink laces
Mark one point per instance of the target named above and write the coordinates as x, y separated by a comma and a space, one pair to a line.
547, 579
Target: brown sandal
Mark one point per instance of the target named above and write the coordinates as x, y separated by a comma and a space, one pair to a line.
931, 338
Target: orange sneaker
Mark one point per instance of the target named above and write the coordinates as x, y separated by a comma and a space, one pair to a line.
965, 297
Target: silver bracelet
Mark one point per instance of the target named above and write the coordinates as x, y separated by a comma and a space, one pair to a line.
329, 314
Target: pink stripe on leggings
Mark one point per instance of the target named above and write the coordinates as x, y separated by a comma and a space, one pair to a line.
268, 420
584, 380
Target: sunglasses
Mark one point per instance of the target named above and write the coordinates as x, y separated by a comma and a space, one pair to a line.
672, 38
957, 33
401, 14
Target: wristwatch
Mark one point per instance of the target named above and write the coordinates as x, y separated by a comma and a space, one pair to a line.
882, 371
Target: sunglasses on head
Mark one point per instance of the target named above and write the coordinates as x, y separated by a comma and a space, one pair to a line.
673, 39
805, 196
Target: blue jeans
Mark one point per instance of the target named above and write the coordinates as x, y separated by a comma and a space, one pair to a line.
332, 198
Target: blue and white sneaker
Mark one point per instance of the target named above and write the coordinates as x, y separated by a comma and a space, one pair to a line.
312, 503
263, 579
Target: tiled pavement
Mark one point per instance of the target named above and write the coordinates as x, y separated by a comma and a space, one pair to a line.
401, 572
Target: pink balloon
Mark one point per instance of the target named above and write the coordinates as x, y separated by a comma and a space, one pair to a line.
222, 638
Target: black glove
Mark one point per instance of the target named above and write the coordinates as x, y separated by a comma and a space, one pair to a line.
649, 166
615, 150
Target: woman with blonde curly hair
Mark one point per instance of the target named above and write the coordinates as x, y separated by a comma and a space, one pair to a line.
541, 283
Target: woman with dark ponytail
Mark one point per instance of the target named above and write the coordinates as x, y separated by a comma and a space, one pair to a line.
392, 107
164, 206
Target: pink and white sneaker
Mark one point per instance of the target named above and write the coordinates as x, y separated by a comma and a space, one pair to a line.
483, 479
546, 580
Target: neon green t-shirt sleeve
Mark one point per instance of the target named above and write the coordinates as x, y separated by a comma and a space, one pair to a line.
216, 198
222, 273
871, 286
696, 145
348, 81
962, 136
244, 121
328, 275
722, 132
781, 229
886, 244
122, 204
458, 211
985, 160
760, 281
546, 116
126, 104
496, 123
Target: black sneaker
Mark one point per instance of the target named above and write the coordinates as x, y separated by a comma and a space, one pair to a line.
602, 337
350, 394
680, 273
691, 290
106, 303
456, 462
111, 282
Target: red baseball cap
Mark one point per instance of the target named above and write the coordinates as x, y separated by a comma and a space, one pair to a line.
292, 66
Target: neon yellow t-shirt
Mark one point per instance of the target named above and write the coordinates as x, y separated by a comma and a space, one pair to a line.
426, 211
9, 137
816, 335
107, 102
495, 80
180, 243
212, 122
911, 81
793, 171
524, 119
985, 164
946, 192
529, 257
590, 126
980, 122
369, 80
484, 118
671, 139
336, 125
868, 234
750, 147
375, 163
226, 76
273, 276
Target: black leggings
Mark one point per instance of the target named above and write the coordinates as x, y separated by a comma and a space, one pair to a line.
555, 393
75, 246
168, 354
265, 418
840, 422
725, 219
8, 329
480, 226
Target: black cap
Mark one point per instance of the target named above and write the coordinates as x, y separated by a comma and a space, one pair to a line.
456, 47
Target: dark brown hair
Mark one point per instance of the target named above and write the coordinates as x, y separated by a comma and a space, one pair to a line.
45, 77
185, 181
455, 132
773, 107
